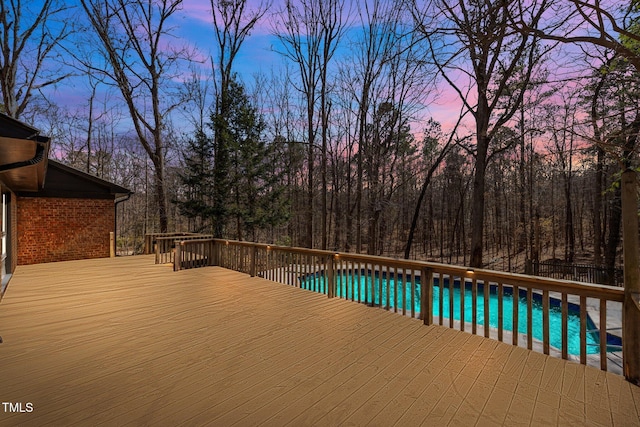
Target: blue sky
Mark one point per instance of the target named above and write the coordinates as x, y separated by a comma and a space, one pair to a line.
193, 25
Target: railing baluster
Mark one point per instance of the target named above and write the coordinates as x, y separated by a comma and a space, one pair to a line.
463, 285
254, 259
358, 267
309, 272
359, 281
603, 334
451, 293
441, 298
545, 321
341, 285
583, 330
344, 282
364, 268
500, 311
413, 293
516, 310
474, 306
529, 318
404, 292
268, 264
393, 286
565, 326
486, 290
388, 287
379, 303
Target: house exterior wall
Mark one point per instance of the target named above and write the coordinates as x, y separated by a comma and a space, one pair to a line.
63, 229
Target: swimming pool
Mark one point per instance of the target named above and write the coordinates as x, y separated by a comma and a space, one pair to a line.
352, 285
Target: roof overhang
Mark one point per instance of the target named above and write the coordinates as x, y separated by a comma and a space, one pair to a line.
23, 155
23, 162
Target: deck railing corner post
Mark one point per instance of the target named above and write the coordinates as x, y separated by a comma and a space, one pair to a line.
177, 259
631, 307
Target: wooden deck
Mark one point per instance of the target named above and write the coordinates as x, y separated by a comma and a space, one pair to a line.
120, 341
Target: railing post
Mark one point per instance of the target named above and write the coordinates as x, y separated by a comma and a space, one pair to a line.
331, 277
112, 244
631, 310
215, 259
177, 259
156, 247
426, 295
254, 255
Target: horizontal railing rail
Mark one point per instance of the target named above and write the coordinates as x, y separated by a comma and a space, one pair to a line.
547, 315
150, 239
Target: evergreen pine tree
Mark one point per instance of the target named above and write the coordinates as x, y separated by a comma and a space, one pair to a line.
255, 200
196, 198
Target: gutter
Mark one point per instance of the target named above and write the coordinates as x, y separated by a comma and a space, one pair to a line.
115, 221
39, 157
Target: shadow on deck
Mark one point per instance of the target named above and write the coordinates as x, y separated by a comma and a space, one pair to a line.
126, 341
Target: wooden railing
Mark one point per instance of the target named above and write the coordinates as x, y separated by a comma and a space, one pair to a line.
150, 240
588, 273
193, 254
164, 246
536, 313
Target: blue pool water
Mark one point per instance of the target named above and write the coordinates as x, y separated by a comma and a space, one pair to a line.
353, 286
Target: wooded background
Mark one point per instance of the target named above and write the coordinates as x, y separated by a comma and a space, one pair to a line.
336, 147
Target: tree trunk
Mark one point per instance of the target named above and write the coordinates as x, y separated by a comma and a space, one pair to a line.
310, 177
597, 208
477, 199
522, 218
161, 194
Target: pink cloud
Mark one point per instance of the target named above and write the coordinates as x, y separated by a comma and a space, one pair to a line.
200, 11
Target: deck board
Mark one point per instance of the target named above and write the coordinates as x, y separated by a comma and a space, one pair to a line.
119, 341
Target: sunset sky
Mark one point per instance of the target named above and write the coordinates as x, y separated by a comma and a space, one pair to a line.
193, 26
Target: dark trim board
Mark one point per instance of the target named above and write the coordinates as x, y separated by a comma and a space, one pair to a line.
63, 181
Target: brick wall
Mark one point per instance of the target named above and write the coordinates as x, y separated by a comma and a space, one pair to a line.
56, 229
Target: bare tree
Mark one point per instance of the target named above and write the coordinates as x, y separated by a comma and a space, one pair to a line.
474, 39
563, 135
607, 24
309, 32
333, 26
379, 20
28, 41
132, 37
433, 135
